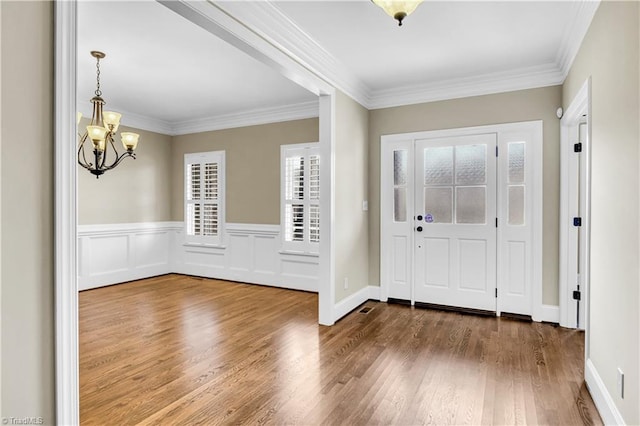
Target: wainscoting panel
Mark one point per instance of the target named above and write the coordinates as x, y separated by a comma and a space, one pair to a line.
112, 254
250, 253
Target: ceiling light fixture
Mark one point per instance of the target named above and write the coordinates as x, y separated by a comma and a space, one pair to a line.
398, 9
101, 130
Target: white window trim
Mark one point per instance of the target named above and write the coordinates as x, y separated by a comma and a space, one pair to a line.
202, 158
305, 247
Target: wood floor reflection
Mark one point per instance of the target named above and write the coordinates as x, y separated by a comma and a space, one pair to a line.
183, 350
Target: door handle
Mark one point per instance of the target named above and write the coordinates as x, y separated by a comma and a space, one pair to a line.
419, 229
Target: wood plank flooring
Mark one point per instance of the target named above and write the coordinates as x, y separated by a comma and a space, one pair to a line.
183, 350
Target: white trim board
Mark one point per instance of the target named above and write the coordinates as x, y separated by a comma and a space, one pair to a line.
567, 279
66, 284
351, 302
601, 397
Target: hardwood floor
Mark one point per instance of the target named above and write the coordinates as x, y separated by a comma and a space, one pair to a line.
184, 350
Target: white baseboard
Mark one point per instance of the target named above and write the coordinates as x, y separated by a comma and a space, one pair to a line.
374, 292
601, 396
549, 313
347, 305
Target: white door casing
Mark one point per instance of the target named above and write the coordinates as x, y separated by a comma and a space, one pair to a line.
517, 207
454, 221
575, 202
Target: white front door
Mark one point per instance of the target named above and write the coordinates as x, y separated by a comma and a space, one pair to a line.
461, 218
455, 221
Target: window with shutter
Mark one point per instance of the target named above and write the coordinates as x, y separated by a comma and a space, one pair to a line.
204, 197
300, 197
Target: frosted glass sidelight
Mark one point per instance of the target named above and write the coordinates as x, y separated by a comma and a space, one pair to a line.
516, 162
438, 165
400, 204
471, 204
400, 167
438, 202
516, 205
471, 164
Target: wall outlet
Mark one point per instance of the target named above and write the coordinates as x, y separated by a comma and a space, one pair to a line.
620, 383
365, 205
346, 283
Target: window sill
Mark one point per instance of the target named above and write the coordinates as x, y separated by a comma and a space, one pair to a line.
299, 253
205, 245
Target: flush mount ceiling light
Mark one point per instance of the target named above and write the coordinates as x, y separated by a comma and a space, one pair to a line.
101, 130
398, 9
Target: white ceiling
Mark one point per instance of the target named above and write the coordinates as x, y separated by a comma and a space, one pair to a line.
174, 76
441, 40
168, 70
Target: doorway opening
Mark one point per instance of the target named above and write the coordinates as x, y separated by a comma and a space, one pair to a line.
575, 192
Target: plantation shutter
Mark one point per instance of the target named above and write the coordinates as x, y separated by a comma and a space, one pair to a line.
300, 197
204, 197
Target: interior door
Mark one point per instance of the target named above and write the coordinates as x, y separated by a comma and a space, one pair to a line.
455, 221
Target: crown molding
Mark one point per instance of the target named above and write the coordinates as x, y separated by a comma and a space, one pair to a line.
248, 118
219, 122
136, 121
273, 25
270, 23
520, 79
574, 33
142, 122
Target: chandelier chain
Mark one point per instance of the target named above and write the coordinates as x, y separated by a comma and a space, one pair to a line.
98, 91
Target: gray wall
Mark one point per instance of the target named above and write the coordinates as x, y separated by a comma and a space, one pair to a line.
136, 191
253, 167
351, 223
26, 178
524, 105
609, 54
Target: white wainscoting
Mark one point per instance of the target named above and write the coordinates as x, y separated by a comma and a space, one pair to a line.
111, 254
250, 253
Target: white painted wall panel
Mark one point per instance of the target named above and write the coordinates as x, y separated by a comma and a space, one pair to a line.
108, 254
473, 264
240, 253
516, 267
151, 249
265, 254
111, 254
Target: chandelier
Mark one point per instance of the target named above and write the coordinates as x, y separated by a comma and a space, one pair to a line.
100, 132
398, 9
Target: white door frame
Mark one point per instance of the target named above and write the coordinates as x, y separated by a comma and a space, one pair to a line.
539, 313
220, 23
579, 107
